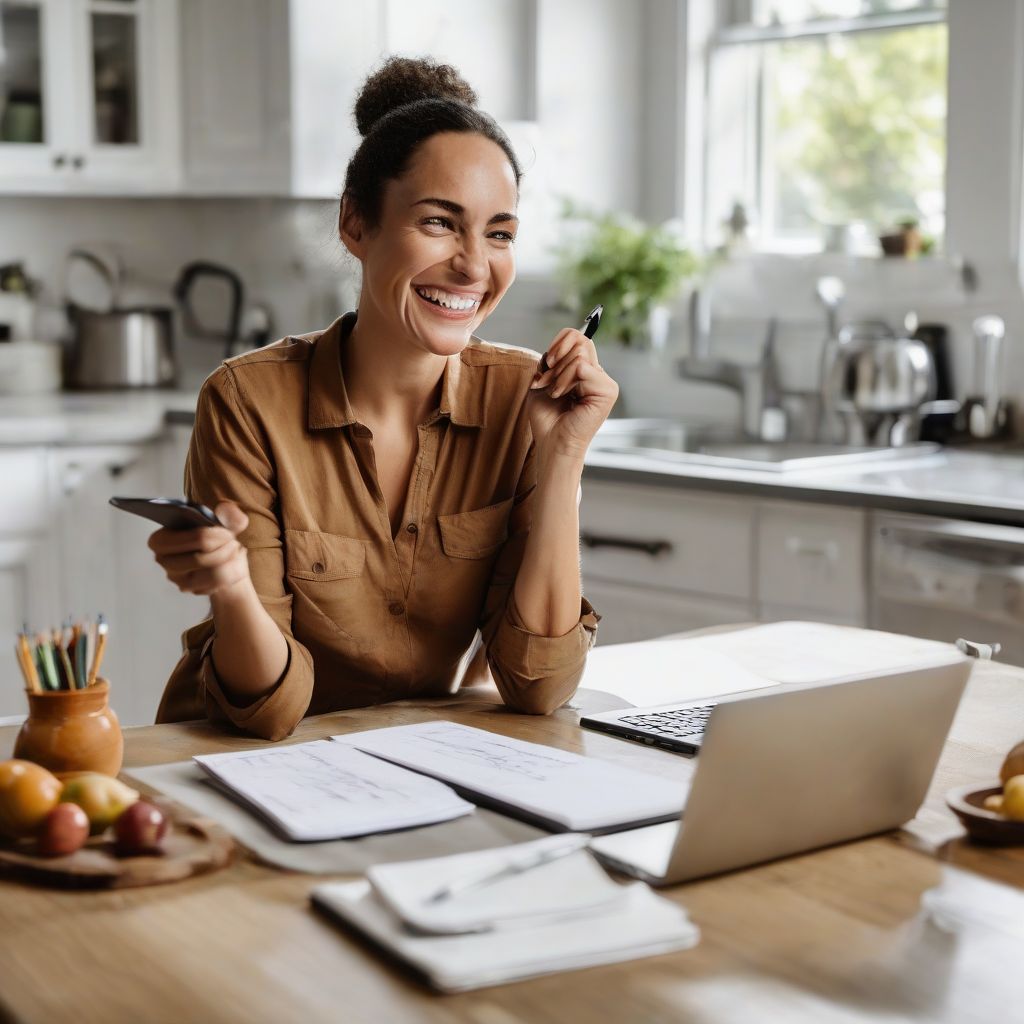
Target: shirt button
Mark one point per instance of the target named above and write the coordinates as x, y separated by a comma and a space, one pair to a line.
318, 567
412, 528
396, 608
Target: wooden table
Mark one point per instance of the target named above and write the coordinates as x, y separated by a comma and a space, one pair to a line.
835, 935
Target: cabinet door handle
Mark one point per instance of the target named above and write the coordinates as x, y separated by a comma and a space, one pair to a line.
813, 549
78, 162
648, 547
59, 160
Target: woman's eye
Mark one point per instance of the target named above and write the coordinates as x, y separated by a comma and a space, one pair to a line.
502, 236
439, 222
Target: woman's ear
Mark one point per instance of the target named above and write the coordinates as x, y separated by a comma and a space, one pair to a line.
351, 229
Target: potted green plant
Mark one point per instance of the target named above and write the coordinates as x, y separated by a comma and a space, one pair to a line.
629, 267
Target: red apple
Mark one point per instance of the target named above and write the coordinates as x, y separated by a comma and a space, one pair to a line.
140, 828
63, 831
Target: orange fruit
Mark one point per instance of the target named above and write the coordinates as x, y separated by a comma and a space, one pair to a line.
28, 792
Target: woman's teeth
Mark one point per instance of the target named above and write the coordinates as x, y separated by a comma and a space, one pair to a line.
446, 299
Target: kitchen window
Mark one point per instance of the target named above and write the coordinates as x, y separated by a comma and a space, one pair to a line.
827, 124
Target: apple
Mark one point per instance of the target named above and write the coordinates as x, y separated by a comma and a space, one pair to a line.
65, 829
140, 829
102, 798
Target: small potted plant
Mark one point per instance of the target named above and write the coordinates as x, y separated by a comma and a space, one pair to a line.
906, 241
629, 267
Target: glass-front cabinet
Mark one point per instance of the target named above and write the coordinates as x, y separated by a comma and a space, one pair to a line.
89, 95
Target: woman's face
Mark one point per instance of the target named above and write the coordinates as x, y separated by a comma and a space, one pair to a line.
442, 256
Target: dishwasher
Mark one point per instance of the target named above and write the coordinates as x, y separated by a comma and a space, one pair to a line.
948, 578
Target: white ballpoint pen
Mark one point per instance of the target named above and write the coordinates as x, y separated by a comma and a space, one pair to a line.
513, 867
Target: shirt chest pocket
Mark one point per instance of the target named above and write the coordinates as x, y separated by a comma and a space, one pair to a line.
477, 534
323, 557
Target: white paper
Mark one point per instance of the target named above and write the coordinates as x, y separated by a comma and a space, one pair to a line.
657, 672
582, 794
643, 925
818, 652
321, 790
571, 886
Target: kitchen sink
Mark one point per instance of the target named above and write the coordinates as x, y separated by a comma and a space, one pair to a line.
704, 445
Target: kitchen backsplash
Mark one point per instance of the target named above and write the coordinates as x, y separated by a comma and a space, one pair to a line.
288, 256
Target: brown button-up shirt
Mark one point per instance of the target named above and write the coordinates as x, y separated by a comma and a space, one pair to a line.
369, 618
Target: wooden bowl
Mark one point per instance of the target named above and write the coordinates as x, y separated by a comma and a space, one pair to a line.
984, 826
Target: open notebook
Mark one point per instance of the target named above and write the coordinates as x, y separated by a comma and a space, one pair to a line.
543, 785
322, 790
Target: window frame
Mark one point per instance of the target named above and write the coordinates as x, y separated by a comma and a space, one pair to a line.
734, 26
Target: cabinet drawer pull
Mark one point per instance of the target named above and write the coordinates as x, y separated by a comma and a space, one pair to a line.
814, 549
648, 547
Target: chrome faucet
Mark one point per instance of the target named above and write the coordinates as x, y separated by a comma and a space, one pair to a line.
756, 383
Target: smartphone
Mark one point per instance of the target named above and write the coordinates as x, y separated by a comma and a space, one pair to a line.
174, 513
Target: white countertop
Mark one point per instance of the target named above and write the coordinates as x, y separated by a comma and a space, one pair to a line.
953, 482
99, 417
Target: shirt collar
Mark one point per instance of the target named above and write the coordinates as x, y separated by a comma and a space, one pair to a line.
461, 389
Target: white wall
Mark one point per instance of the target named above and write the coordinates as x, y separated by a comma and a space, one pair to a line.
586, 142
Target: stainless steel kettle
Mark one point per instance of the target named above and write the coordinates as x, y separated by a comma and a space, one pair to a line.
119, 347
876, 377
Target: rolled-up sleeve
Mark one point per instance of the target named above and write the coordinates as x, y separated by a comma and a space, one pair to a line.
228, 461
534, 674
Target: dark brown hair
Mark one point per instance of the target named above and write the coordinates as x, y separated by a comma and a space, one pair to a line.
401, 105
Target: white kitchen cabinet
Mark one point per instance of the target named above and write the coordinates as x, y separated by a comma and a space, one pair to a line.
107, 567
28, 564
26, 595
668, 539
812, 562
631, 613
657, 560
236, 90
268, 92
90, 97
269, 85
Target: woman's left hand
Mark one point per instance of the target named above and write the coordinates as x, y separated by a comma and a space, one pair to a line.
572, 398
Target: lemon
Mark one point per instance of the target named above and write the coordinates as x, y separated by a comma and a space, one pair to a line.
1013, 798
994, 803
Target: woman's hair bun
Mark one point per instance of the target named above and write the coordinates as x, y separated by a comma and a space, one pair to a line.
402, 80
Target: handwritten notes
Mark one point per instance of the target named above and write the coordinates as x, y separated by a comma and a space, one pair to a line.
323, 790
541, 784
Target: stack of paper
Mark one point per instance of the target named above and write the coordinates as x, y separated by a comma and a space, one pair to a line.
543, 785
323, 790
672, 669
564, 915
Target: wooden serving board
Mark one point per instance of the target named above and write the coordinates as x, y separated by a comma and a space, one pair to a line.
193, 845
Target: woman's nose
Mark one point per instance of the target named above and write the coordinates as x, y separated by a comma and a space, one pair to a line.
470, 260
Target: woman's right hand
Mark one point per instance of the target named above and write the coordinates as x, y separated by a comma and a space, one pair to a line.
206, 561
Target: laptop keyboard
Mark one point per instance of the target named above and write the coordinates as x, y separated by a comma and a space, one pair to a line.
673, 724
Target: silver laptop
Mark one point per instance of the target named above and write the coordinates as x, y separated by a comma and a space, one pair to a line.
783, 771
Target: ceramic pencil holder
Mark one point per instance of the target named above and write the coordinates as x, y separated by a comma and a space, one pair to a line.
72, 731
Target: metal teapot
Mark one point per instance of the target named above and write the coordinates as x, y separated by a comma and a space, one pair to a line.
875, 378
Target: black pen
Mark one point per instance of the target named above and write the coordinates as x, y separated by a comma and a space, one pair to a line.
588, 330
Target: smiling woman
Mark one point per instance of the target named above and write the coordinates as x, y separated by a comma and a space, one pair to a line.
392, 486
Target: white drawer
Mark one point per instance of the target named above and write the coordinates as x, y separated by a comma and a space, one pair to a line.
653, 536
635, 613
24, 504
812, 557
